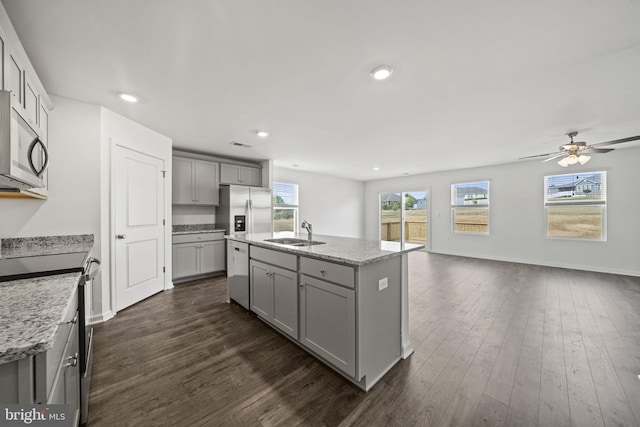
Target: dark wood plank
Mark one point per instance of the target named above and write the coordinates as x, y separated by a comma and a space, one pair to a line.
495, 344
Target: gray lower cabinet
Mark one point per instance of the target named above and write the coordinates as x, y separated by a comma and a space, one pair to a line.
50, 377
66, 385
274, 296
198, 254
328, 322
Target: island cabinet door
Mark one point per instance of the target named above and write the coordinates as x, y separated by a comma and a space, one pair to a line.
327, 322
285, 301
261, 289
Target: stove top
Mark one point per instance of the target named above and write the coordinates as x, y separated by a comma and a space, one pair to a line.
41, 265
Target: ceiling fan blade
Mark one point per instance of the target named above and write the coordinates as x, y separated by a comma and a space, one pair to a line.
601, 150
554, 157
617, 141
541, 155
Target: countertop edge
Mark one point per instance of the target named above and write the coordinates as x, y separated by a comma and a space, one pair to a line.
302, 252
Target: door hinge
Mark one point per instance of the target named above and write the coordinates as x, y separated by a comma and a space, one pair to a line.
164, 270
163, 173
163, 222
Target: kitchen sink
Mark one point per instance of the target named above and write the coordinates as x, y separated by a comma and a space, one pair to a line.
294, 242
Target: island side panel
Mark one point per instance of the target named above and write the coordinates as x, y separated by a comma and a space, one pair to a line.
407, 349
379, 318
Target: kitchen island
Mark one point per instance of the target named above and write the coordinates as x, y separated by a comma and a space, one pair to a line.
344, 300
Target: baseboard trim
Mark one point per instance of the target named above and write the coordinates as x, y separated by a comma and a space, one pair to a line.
102, 317
543, 263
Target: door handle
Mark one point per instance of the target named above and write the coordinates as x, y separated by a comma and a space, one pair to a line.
121, 236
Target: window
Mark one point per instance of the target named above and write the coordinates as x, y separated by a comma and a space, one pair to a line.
470, 207
285, 207
575, 205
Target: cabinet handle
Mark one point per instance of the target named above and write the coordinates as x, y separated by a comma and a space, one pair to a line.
72, 360
323, 272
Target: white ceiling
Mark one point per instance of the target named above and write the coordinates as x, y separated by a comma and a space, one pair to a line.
475, 82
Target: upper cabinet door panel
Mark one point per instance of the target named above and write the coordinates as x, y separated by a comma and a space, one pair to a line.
250, 176
14, 79
229, 174
239, 175
206, 182
182, 182
31, 103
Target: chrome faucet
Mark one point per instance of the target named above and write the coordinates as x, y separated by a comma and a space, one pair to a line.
307, 226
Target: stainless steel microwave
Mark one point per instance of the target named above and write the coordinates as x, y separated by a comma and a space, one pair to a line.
23, 154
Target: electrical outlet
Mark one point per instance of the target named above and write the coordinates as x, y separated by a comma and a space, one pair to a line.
383, 283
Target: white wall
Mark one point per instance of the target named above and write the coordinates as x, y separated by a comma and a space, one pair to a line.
333, 205
74, 179
517, 217
118, 130
73, 205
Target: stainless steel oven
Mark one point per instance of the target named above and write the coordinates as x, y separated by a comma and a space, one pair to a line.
90, 271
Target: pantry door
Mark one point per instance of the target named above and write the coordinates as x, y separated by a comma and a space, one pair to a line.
139, 226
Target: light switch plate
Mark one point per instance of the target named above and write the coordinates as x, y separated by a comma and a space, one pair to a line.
383, 283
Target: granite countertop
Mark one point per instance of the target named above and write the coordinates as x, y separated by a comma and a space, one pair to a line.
34, 246
221, 230
31, 312
345, 250
196, 228
31, 309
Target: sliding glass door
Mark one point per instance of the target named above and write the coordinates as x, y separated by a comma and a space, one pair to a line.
403, 217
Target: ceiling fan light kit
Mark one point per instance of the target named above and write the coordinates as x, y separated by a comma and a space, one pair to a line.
574, 151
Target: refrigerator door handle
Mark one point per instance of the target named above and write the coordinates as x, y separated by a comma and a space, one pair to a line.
249, 219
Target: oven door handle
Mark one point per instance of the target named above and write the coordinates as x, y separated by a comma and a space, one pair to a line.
92, 273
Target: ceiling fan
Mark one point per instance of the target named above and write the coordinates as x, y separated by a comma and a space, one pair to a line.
575, 151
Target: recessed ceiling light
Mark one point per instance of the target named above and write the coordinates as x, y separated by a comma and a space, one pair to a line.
128, 97
262, 133
376, 168
382, 72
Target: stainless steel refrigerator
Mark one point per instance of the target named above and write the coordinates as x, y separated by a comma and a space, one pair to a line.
245, 209
242, 210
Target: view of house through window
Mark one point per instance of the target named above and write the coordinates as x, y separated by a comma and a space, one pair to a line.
285, 207
470, 207
575, 205
403, 217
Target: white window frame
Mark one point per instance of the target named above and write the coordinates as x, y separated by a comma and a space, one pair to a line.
455, 205
602, 203
294, 206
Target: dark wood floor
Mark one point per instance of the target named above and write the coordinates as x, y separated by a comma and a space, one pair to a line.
495, 344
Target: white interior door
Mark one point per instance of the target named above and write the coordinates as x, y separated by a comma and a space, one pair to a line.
139, 229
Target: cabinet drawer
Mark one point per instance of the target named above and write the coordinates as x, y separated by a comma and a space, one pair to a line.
198, 237
336, 273
280, 259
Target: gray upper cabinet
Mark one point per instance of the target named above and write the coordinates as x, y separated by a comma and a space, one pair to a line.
29, 98
240, 175
31, 104
195, 182
14, 78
